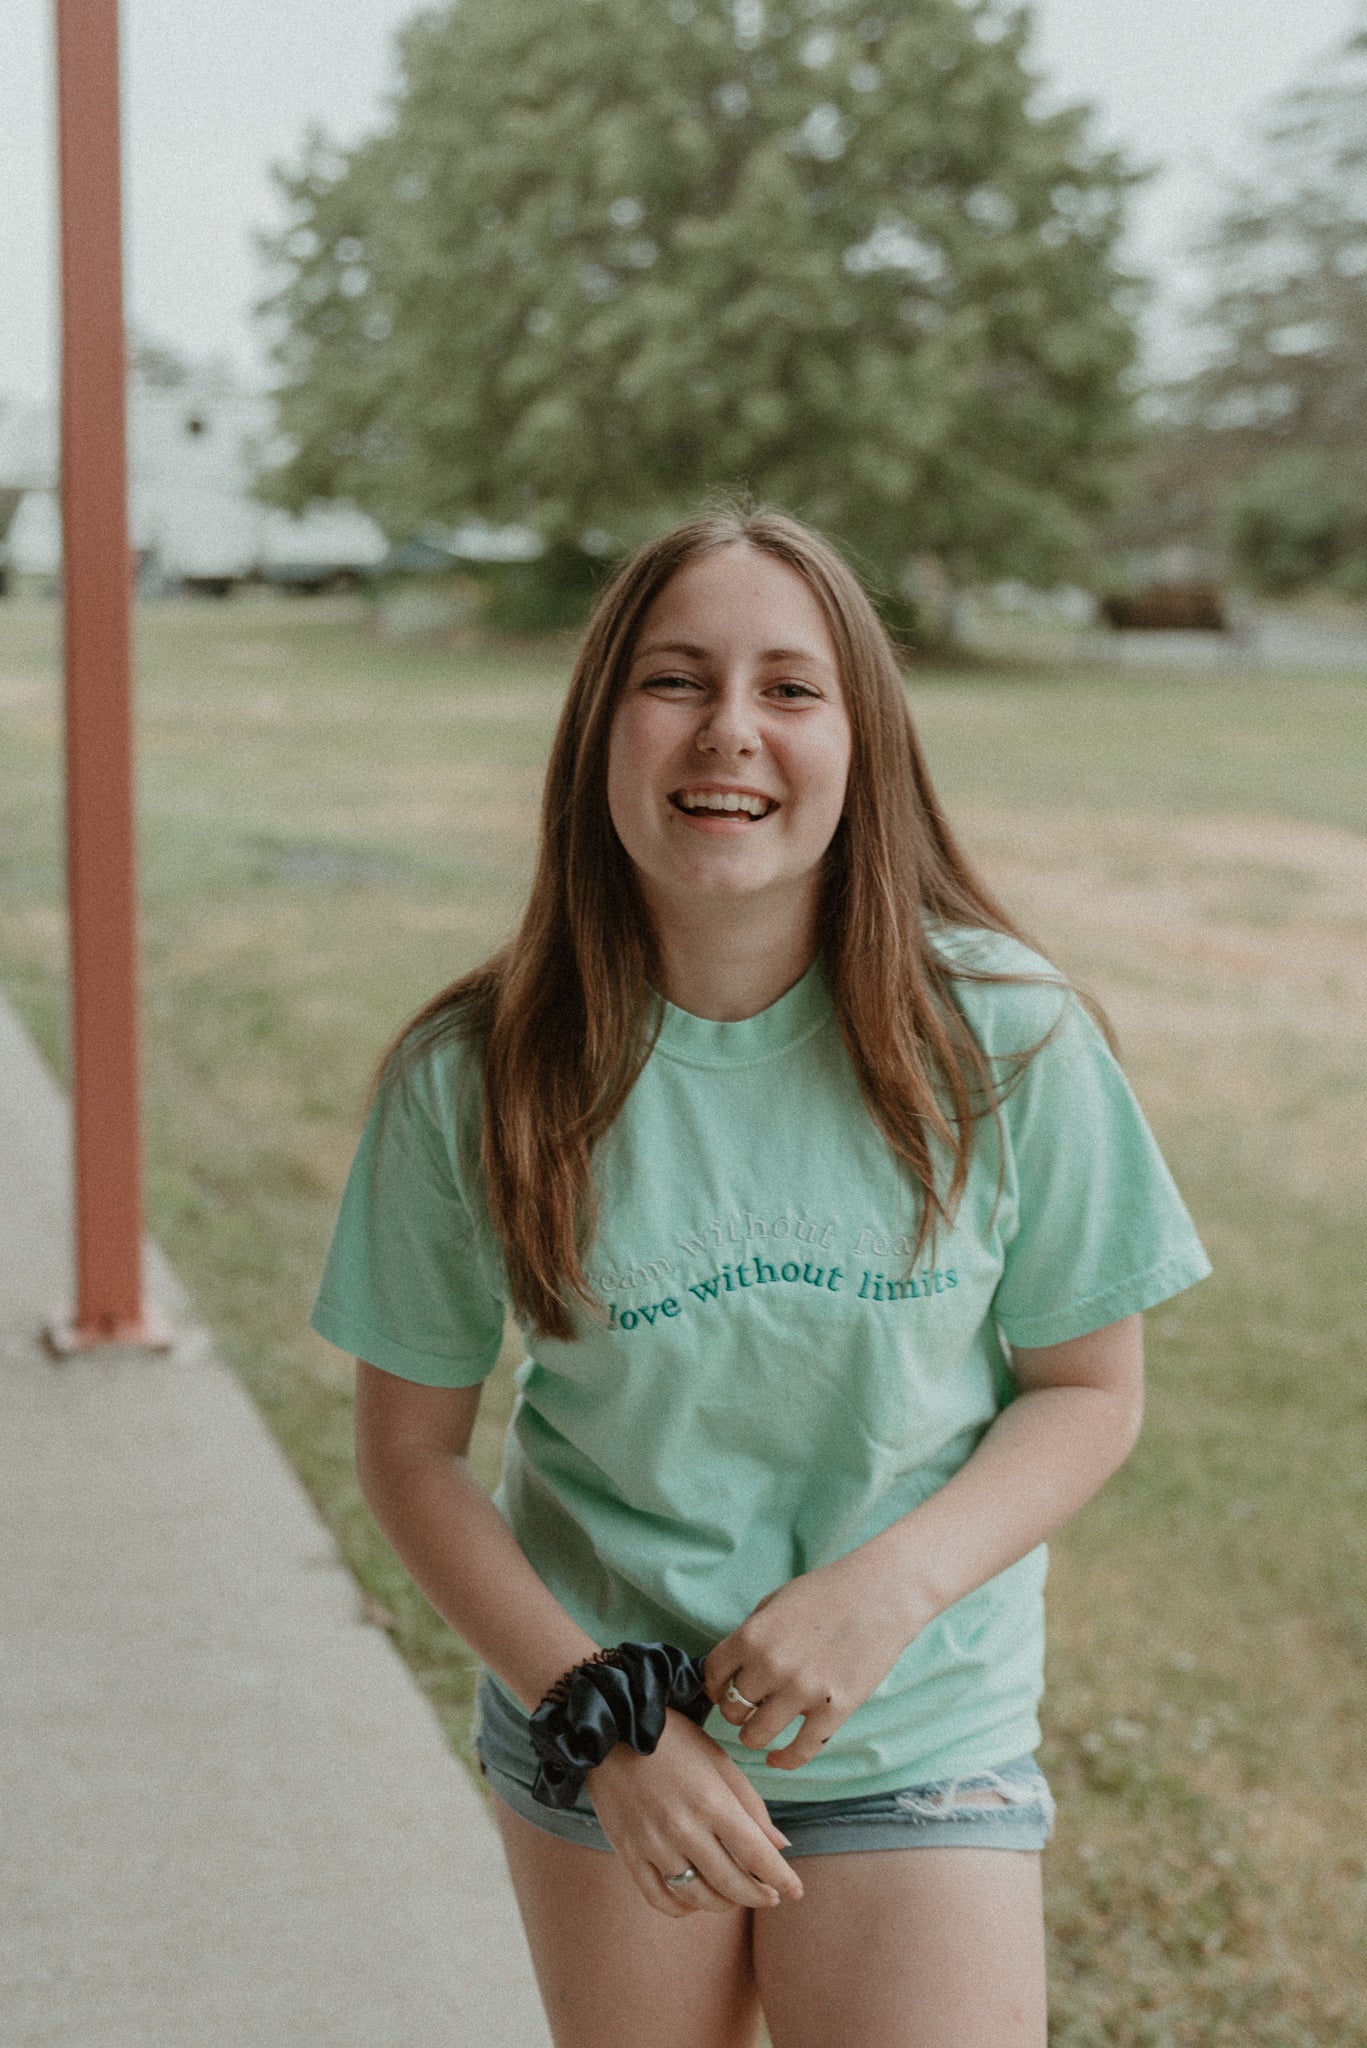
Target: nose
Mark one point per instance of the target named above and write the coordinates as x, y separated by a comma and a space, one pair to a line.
729, 725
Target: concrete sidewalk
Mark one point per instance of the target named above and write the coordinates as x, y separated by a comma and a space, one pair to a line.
228, 1819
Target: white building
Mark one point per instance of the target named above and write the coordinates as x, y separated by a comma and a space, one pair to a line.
193, 451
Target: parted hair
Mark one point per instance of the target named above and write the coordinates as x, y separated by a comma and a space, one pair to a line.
563, 1017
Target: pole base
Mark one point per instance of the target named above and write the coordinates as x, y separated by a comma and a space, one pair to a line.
66, 1338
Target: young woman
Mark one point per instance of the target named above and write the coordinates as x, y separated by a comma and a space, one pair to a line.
828, 1219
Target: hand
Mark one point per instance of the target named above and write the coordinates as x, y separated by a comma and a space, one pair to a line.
688, 1807
816, 1647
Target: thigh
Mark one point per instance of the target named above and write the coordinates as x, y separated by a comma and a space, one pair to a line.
614, 1973
907, 1948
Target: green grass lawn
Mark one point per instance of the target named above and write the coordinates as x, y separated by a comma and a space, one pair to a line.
332, 826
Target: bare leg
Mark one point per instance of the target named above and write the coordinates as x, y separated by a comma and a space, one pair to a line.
907, 1948
613, 1972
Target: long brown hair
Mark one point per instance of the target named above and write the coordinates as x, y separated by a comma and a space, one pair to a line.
564, 1016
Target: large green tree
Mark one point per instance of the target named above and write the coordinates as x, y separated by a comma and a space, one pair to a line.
608, 256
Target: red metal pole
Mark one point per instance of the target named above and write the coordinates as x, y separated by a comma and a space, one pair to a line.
95, 571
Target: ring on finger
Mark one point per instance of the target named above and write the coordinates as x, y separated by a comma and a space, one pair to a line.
734, 1697
688, 1875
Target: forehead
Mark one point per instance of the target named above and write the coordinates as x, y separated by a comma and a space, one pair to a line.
738, 597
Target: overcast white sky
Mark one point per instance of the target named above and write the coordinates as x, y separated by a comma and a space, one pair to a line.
214, 94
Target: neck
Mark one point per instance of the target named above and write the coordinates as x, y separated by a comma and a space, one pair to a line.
734, 965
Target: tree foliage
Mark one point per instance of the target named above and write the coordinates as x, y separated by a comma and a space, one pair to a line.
1269, 438
1285, 323
1298, 519
609, 256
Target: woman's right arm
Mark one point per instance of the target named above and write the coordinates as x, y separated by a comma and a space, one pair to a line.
688, 1804
411, 1445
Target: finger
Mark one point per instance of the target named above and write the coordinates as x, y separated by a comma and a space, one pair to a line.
677, 1901
775, 1713
682, 1902
656, 1893
753, 1842
719, 1665
739, 1709
757, 1811
701, 1894
652, 1887
815, 1732
724, 1672
730, 1878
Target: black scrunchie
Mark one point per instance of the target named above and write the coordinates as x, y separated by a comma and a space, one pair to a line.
621, 1695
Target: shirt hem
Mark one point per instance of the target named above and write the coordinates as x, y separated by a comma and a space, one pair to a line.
1126, 1298
975, 1754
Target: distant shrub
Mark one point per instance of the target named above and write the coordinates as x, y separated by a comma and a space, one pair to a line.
1295, 521
549, 594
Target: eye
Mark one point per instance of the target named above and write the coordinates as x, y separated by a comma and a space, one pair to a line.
671, 683
794, 692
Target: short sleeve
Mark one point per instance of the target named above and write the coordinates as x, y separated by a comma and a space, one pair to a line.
1099, 1229
407, 1284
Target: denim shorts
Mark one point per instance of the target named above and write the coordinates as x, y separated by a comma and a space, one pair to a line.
1010, 1807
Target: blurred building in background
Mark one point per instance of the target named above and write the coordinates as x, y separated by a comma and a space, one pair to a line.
195, 442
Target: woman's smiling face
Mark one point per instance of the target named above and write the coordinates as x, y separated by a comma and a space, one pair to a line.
730, 745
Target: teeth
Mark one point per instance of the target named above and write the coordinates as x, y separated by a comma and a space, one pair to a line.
724, 800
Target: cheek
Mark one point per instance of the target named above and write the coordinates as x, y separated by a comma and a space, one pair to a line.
829, 781
625, 781
616, 790
842, 779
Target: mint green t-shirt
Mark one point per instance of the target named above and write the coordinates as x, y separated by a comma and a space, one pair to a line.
773, 1385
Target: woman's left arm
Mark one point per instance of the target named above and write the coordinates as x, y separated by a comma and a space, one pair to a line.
819, 1645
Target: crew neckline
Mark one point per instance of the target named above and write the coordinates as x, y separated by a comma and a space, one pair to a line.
740, 1041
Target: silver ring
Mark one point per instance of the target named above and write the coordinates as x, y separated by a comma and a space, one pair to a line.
734, 1697
687, 1875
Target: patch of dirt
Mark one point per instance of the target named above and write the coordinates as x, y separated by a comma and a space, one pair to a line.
1231, 954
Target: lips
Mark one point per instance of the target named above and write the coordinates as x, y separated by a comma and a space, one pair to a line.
718, 801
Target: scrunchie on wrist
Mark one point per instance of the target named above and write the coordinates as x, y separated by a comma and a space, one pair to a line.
621, 1695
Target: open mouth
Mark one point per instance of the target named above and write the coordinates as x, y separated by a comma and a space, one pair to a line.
723, 803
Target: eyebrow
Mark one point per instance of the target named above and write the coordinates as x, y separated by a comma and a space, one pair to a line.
696, 653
